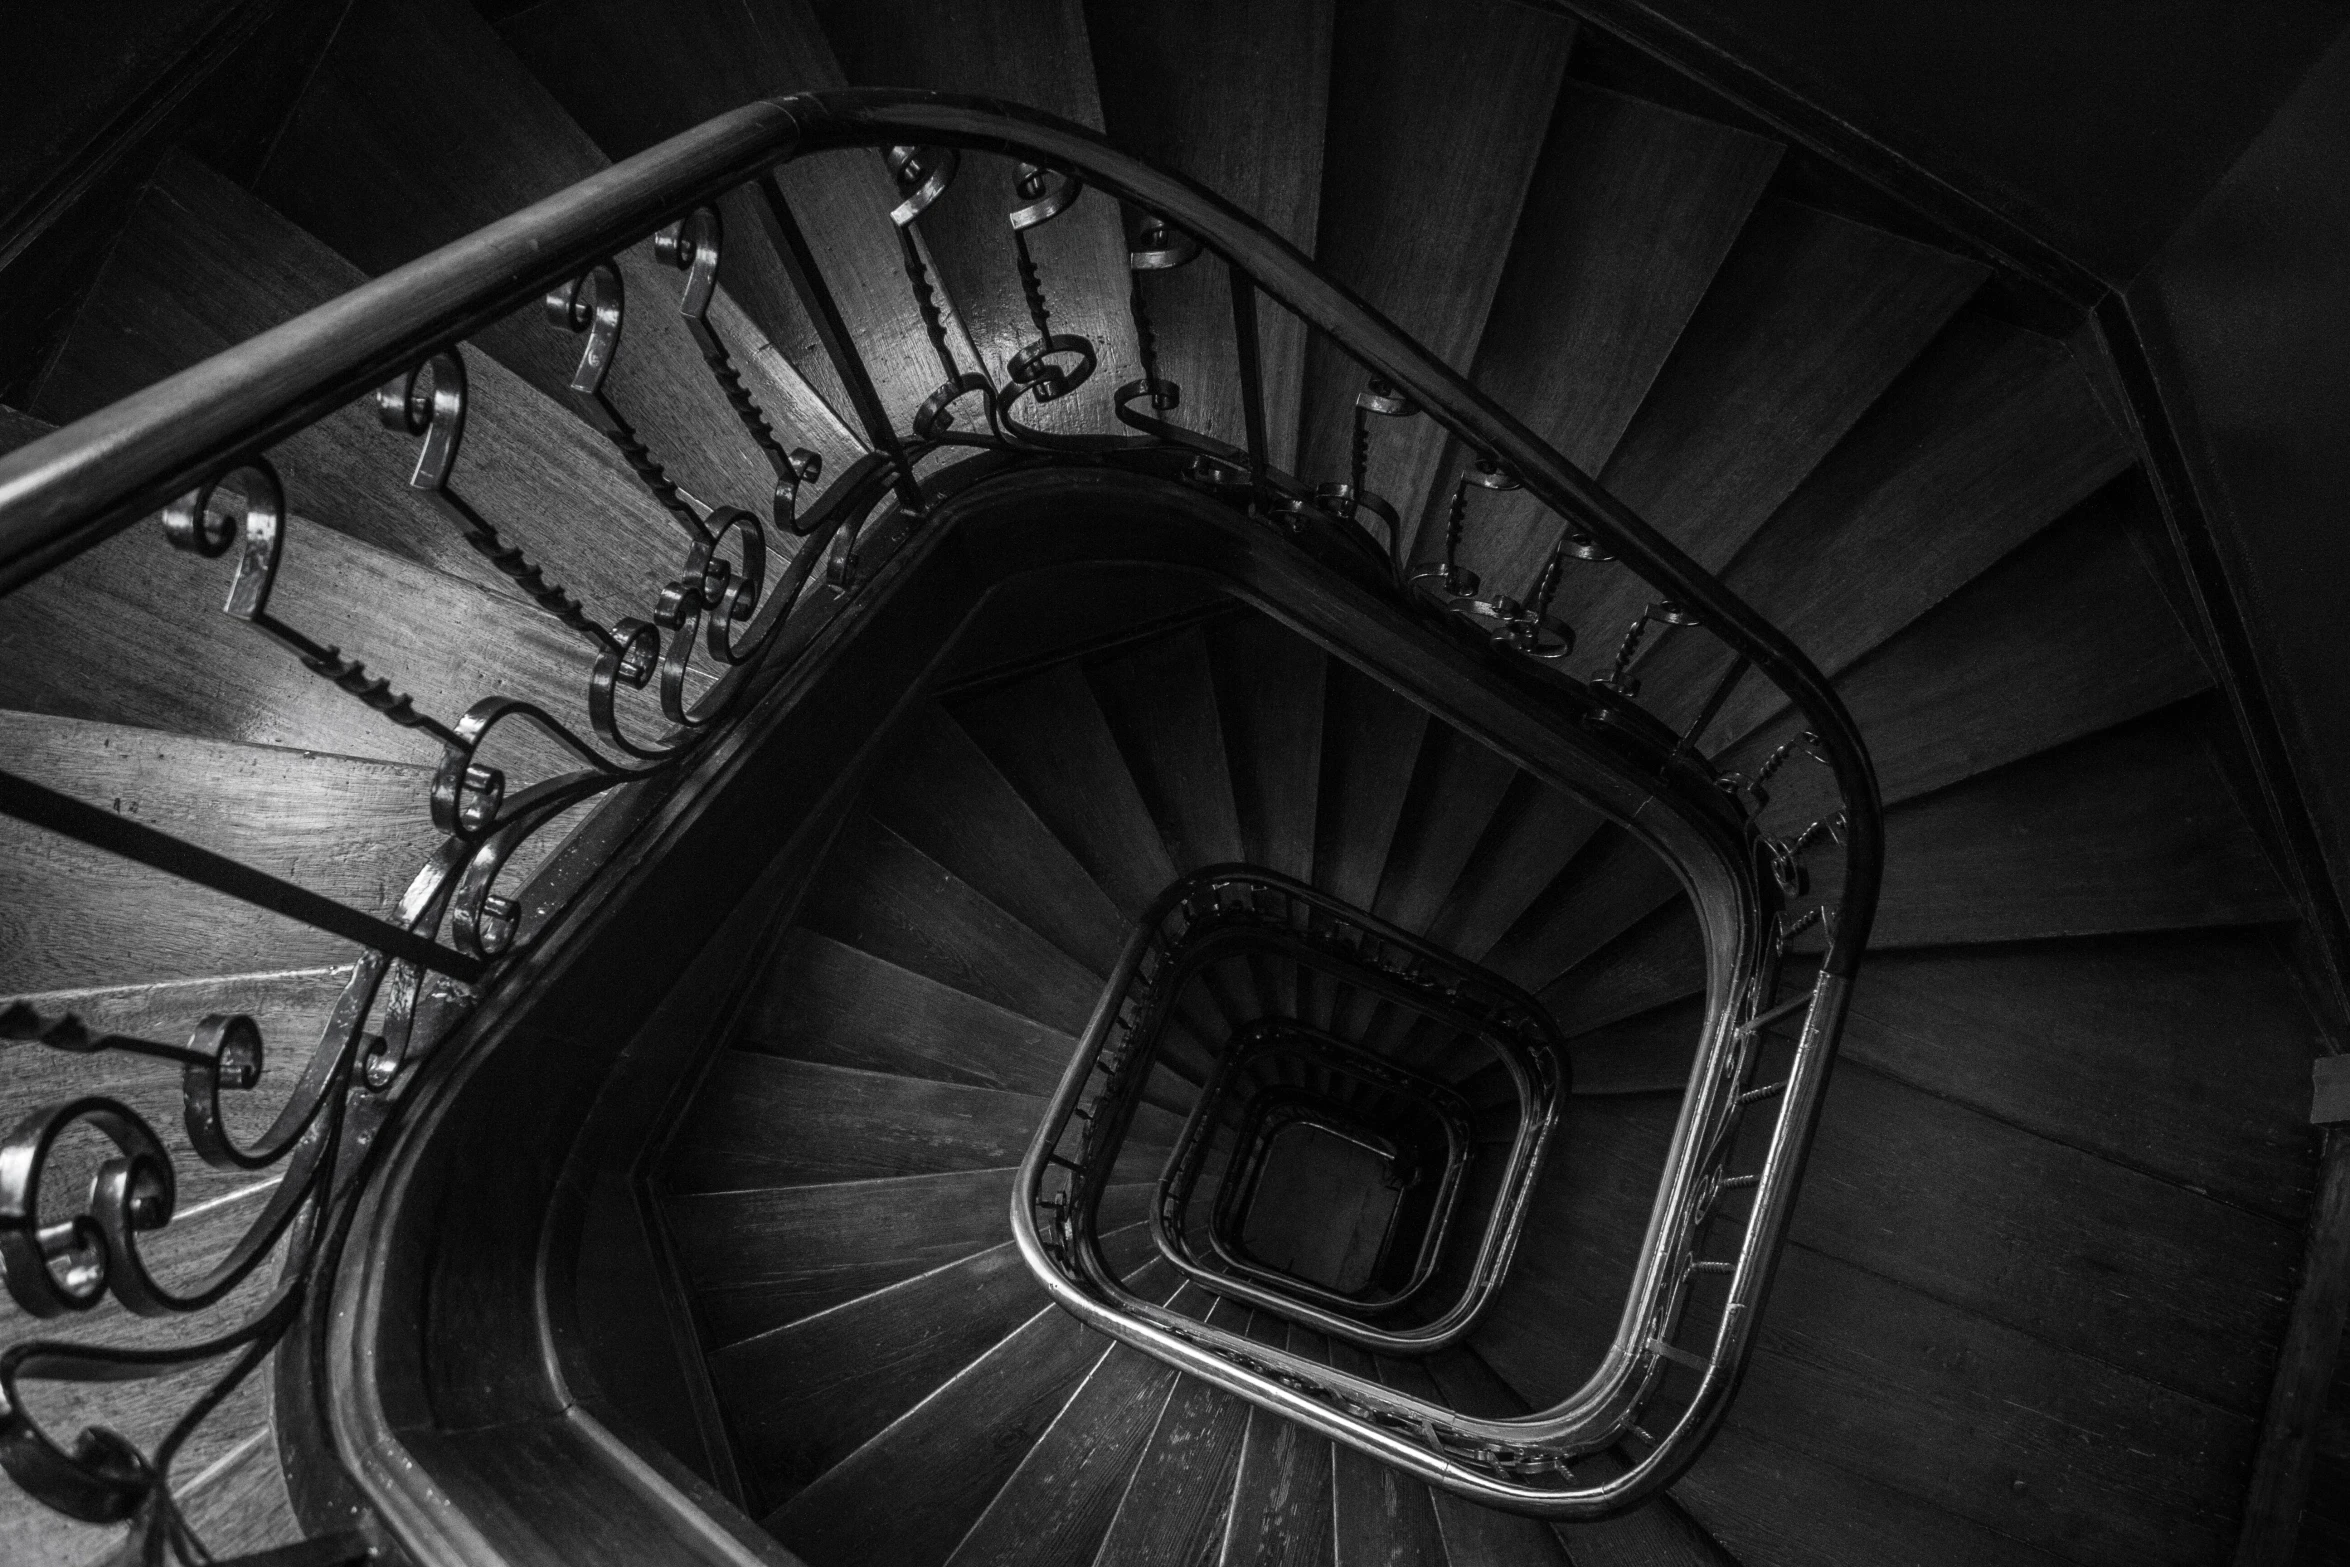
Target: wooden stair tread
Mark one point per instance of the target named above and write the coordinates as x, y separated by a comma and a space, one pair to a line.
1058, 1503
350, 168
1280, 1512
763, 1121
1810, 319
1370, 746
938, 791
801, 1398
824, 1000
1048, 736
759, 1260
1614, 881
1630, 212
1990, 437
954, 1450
880, 894
1234, 94
444, 641
1160, 703
1660, 959
1032, 52
1472, 1533
2131, 829
1437, 118
632, 74
202, 266
1455, 792
2067, 636
1378, 1515
1173, 1512
1269, 689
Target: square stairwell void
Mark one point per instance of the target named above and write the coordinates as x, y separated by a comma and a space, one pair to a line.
1324, 1208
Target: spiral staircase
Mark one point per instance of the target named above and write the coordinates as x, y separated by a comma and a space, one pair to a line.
751, 1204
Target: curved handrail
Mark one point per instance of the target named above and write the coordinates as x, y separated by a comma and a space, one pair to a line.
69, 490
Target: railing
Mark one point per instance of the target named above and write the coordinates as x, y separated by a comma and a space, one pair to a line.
1227, 910
659, 682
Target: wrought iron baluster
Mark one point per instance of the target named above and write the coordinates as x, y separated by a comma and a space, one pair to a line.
693, 247
1252, 375
1044, 195
1619, 680
594, 304
923, 175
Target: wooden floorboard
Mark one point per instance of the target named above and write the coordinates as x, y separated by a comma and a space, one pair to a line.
1270, 686
1280, 1513
1455, 794
1160, 702
1175, 1505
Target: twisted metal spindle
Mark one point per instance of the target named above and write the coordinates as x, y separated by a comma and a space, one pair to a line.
1619, 680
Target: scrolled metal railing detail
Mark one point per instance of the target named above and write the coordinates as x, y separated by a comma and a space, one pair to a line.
195, 446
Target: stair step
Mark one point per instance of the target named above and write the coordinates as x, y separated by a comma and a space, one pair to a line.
1993, 435
444, 641
1280, 1512
1058, 1503
2067, 636
762, 1122
354, 831
1235, 94
1811, 318
1370, 746
1048, 736
824, 1000
1630, 212
801, 1398
1472, 1533
1535, 834
1269, 689
1660, 959
1379, 1514
954, 1450
1455, 794
884, 896
760, 1260
1160, 703
1437, 117
350, 168
202, 266
1615, 880
1770, 1502
1173, 1512
1031, 52
938, 791
2131, 829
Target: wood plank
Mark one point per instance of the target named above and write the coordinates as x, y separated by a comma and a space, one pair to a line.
1057, 1505
1474, 1534
1810, 320
113, 634
801, 1398
1647, 1054
1160, 703
1437, 116
2105, 1262
1048, 736
1380, 1518
1993, 435
1954, 1410
1631, 209
2068, 635
1235, 94
2296, 1463
1280, 1513
758, 1260
1370, 748
203, 266
74, 917
2131, 829
827, 1001
1535, 834
1269, 689
762, 1122
1455, 793
1033, 52
349, 167
1173, 1512
1775, 1506
633, 73
1660, 959
1615, 881
954, 1450
2185, 1056
938, 791
884, 896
